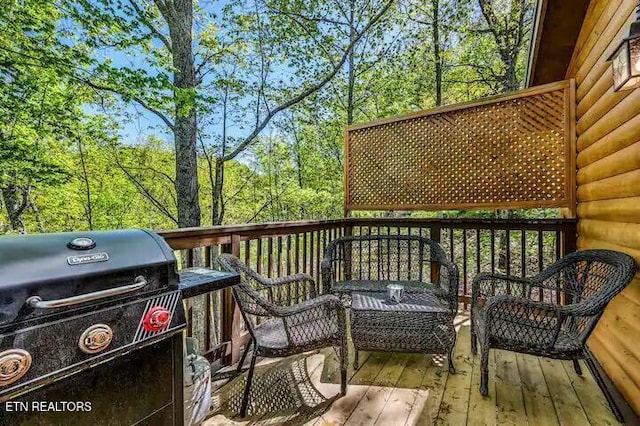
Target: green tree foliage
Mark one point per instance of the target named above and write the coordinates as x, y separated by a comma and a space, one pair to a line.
250, 122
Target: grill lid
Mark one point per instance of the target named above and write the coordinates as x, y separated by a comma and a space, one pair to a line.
63, 265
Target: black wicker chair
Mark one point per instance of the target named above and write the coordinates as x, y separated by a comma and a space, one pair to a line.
370, 262
296, 320
551, 314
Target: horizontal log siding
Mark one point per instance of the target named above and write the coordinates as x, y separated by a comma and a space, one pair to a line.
608, 128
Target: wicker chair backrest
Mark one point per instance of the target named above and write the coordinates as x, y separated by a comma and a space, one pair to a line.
252, 296
590, 276
385, 257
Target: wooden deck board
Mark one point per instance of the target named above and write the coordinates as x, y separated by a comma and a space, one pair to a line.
455, 399
413, 389
482, 410
537, 399
565, 400
509, 400
594, 404
408, 390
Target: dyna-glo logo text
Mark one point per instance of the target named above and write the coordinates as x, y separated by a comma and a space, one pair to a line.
87, 258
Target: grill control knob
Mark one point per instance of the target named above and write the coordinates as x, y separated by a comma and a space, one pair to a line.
157, 319
14, 363
95, 339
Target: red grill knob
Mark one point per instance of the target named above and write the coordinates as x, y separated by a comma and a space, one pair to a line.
157, 319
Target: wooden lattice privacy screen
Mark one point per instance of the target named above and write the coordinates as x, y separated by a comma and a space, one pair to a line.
513, 151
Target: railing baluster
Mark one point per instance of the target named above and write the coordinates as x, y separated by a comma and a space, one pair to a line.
464, 263
540, 262
270, 257
259, 256
493, 258
297, 254
297, 265
478, 259
312, 253
305, 267
492, 253
557, 247
190, 257
319, 255
288, 248
434, 267
508, 256
523, 247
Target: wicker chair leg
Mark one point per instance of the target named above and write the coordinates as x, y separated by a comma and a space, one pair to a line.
244, 357
247, 387
576, 367
452, 369
454, 336
474, 338
355, 360
344, 361
484, 371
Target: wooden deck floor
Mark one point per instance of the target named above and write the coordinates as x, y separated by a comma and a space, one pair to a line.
413, 389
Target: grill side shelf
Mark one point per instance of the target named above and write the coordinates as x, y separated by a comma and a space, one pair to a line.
197, 281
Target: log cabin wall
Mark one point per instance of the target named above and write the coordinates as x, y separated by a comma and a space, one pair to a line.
608, 179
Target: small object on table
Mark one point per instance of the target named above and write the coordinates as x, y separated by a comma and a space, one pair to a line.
197, 281
395, 293
421, 322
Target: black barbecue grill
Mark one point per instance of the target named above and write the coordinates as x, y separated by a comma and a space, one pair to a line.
90, 330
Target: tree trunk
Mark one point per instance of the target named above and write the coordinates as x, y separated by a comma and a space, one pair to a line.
437, 57
88, 208
216, 196
351, 64
15, 201
179, 17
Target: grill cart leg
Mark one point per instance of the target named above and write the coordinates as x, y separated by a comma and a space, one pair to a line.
247, 388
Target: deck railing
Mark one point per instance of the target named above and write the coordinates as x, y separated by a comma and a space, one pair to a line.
510, 246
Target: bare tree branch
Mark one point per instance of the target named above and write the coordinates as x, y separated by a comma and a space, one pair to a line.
310, 90
137, 99
142, 16
141, 188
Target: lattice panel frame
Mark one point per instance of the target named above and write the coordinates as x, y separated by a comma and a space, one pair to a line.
508, 152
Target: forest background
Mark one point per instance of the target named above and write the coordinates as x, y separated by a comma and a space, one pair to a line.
176, 113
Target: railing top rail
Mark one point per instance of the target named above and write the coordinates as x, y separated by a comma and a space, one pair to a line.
185, 238
221, 230
199, 237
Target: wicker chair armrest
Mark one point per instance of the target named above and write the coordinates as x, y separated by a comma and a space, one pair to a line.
327, 300
489, 285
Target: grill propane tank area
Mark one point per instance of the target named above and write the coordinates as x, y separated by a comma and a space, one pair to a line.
90, 330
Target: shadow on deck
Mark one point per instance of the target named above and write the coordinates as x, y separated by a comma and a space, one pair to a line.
412, 389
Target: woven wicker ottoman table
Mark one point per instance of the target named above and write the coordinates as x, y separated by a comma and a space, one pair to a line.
422, 322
